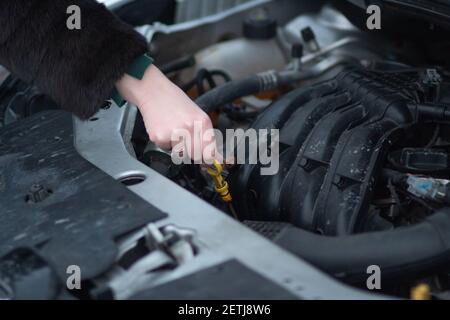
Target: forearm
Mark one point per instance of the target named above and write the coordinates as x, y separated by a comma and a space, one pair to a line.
77, 68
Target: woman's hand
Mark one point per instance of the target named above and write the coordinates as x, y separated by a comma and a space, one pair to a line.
169, 113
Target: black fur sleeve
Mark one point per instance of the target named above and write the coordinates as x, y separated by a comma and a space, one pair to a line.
77, 68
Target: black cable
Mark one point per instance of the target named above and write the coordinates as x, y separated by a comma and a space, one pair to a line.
208, 75
178, 64
435, 136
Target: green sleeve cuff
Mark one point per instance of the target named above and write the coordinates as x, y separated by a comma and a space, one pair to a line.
136, 70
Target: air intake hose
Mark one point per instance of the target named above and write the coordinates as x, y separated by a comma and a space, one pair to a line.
401, 253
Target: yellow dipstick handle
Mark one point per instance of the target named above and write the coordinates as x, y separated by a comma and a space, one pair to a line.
421, 292
220, 184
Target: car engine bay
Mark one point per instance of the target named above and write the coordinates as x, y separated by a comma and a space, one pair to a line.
363, 179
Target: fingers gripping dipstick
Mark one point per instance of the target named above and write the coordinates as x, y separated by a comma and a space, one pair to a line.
221, 186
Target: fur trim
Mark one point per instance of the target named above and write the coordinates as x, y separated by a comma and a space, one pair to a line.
77, 68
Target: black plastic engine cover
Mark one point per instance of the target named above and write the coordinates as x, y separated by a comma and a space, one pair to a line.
333, 138
58, 205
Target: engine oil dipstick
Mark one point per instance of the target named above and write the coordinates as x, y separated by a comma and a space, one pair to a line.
421, 292
221, 186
